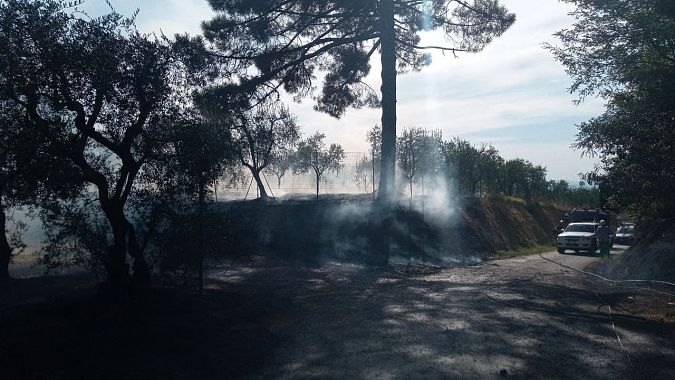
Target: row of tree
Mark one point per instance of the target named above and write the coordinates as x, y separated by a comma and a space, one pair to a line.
310, 155
473, 171
103, 123
267, 138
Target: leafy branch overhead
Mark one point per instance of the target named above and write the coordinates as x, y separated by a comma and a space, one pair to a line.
91, 89
288, 42
624, 52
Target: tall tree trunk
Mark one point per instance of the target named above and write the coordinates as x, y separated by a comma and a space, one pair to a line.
5, 249
124, 242
259, 183
116, 263
118, 271
318, 178
141, 274
388, 74
200, 232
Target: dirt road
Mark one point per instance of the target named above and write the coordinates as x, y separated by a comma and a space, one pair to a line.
520, 318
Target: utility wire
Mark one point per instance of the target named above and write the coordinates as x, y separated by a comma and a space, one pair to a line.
616, 281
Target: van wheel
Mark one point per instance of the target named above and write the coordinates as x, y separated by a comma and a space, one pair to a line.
561, 251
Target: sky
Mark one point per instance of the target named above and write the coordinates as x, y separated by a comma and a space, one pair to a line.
512, 95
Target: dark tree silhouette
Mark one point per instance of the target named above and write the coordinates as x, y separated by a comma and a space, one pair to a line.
22, 164
262, 134
462, 159
410, 153
315, 156
623, 51
489, 167
29, 173
18, 159
90, 87
286, 42
202, 151
281, 163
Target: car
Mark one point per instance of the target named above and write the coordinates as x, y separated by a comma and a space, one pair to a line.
625, 234
578, 237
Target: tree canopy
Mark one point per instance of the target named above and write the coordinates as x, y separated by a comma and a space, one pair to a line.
90, 87
623, 51
289, 43
29, 173
313, 155
262, 135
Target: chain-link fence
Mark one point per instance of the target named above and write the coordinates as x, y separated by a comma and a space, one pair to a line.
356, 176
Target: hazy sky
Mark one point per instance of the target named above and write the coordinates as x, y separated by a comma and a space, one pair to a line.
513, 94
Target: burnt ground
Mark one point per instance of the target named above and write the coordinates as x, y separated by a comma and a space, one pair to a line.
518, 318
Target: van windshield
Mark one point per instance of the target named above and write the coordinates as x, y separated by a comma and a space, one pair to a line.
580, 228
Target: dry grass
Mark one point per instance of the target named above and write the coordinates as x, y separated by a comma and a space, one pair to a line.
513, 200
526, 251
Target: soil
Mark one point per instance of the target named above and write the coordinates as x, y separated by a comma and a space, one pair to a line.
517, 318
653, 257
349, 229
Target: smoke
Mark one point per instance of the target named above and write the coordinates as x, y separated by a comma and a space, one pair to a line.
425, 229
434, 224
435, 198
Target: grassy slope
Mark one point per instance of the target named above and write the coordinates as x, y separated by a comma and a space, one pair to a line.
346, 230
652, 258
511, 225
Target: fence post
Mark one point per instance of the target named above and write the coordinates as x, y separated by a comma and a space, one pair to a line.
372, 153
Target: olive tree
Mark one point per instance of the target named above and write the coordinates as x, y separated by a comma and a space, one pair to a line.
263, 134
313, 155
90, 87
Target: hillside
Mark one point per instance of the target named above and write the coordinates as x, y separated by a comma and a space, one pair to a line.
652, 258
348, 230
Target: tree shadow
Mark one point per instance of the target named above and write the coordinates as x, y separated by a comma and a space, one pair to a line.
340, 321
382, 323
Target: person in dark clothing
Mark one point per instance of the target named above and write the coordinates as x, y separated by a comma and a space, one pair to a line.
602, 235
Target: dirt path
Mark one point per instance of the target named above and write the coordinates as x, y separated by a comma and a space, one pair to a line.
519, 318
523, 317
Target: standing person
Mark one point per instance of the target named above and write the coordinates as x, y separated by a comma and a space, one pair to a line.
602, 234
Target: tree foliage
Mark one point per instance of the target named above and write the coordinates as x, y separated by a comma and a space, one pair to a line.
480, 171
623, 51
263, 134
282, 43
313, 155
363, 174
200, 150
91, 88
282, 163
419, 154
29, 173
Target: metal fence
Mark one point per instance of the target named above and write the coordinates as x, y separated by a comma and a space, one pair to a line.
355, 176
